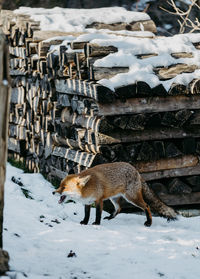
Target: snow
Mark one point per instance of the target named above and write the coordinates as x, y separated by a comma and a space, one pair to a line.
142, 69
130, 44
75, 20
39, 234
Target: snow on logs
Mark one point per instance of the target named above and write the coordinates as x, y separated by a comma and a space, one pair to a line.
80, 99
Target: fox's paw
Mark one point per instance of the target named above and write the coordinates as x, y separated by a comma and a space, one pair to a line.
96, 223
83, 222
169, 219
147, 224
109, 217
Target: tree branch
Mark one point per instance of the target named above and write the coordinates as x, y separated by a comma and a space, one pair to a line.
185, 20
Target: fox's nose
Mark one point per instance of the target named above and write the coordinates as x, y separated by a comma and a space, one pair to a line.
53, 192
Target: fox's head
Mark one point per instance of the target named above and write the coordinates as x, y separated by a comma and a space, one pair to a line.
71, 185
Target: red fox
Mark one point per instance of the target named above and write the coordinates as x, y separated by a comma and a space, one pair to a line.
110, 181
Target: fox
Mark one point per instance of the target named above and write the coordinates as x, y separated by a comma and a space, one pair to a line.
111, 181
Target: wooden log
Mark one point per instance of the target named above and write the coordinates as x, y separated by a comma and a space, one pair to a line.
83, 88
137, 136
106, 150
19, 81
172, 71
148, 55
194, 86
78, 45
167, 164
18, 51
135, 122
44, 46
144, 25
189, 146
196, 45
184, 199
158, 90
86, 106
148, 105
176, 119
140, 88
177, 186
171, 150
92, 50
17, 131
96, 123
57, 173
98, 73
16, 63
40, 35
13, 145
178, 89
61, 141
178, 55
194, 182
21, 72
82, 158
195, 119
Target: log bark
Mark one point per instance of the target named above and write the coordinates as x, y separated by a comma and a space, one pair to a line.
167, 164
174, 70
183, 199
95, 123
146, 25
98, 73
176, 172
83, 88
134, 136
148, 105
92, 50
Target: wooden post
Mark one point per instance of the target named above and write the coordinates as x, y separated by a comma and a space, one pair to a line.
4, 107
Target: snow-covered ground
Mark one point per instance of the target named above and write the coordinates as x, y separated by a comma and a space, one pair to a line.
39, 234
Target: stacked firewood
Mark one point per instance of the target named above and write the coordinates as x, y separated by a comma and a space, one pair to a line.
63, 119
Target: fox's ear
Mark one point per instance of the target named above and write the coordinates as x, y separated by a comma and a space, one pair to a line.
83, 180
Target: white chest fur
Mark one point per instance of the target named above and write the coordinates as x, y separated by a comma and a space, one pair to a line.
78, 198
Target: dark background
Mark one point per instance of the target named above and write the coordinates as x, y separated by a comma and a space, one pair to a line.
167, 24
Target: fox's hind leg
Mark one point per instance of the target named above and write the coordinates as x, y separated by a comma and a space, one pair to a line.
115, 202
139, 202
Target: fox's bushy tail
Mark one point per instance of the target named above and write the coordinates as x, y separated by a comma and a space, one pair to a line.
156, 205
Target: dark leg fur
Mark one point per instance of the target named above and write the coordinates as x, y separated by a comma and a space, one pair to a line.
149, 219
111, 216
87, 215
99, 207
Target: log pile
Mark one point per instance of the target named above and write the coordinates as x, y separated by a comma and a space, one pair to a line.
63, 119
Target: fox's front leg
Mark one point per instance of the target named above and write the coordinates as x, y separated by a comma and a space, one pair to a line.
99, 208
87, 215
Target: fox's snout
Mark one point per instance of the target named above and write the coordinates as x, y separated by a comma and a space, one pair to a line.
56, 192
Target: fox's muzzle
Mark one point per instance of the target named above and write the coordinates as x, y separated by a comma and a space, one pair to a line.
62, 198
